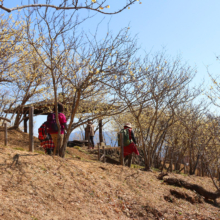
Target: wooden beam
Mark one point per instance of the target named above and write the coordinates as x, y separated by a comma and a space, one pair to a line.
31, 129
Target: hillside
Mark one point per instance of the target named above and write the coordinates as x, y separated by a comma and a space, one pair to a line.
37, 186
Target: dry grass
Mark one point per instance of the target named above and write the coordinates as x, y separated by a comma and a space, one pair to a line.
42, 187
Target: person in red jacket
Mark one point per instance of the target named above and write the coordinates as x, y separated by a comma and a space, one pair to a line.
45, 139
131, 148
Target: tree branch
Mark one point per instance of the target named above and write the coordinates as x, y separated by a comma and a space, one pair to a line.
65, 8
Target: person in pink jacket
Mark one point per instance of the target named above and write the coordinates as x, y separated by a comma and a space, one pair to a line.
53, 128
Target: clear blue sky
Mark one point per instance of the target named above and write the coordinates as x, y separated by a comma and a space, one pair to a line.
190, 28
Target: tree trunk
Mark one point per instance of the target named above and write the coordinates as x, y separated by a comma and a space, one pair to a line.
197, 161
202, 167
165, 157
190, 160
146, 157
73, 113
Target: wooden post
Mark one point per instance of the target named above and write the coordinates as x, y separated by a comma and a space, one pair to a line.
99, 151
25, 124
31, 129
6, 135
122, 148
104, 153
100, 131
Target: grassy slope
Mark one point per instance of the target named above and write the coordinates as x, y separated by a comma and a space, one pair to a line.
78, 187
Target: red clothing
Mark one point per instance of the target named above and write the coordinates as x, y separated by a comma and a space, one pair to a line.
47, 144
62, 120
42, 132
131, 148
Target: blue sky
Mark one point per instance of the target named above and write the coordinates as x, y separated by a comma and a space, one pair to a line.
187, 28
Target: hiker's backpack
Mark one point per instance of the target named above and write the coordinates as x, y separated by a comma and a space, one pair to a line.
127, 138
43, 135
51, 123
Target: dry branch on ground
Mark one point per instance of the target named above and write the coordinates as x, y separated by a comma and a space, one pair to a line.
193, 187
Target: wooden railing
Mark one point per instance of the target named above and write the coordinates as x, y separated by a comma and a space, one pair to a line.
101, 145
103, 156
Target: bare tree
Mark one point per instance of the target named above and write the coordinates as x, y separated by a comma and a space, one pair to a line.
189, 133
79, 65
153, 87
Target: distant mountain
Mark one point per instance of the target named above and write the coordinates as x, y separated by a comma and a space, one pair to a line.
110, 138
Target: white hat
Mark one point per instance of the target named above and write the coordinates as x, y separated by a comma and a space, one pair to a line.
128, 125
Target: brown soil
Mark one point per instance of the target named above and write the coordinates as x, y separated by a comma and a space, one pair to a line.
40, 187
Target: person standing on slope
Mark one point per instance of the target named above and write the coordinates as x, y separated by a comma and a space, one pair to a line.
53, 128
45, 139
129, 143
91, 133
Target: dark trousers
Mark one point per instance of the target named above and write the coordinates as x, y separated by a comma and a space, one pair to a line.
92, 141
49, 151
129, 158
